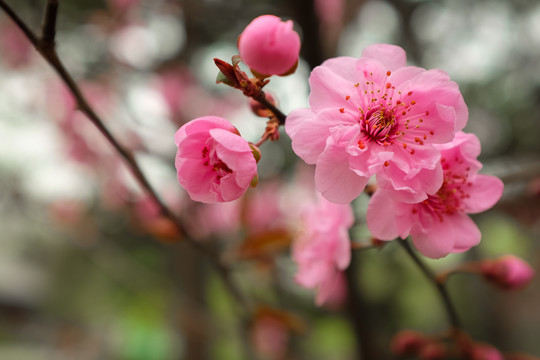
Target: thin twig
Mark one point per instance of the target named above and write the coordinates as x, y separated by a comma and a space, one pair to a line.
48, 32
441, 288
279, 115
47, 49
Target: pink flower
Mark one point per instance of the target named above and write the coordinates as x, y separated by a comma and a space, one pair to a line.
323, 249
509, 272
375, 115
439, 225
214, 163
269, 46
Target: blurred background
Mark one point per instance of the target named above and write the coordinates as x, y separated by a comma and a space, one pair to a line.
88, 268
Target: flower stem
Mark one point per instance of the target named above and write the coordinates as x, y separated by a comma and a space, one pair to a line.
261, 98
441, 288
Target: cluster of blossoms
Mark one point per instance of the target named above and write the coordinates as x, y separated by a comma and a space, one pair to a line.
372, 116
377, 116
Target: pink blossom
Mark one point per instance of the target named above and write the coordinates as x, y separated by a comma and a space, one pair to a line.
269, 46
509, 272
214, 163
439, 225
375, 115
323, 249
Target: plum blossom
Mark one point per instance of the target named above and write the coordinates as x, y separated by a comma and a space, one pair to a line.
440, 225
214, 163
323, 250
269, 46
375, 115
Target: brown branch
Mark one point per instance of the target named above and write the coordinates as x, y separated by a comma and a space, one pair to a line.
45, 46
48, 32
278, 113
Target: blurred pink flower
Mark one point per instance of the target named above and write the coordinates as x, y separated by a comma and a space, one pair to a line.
509, 272
263, 210
269, 46
214, 163
483, 351
15, 48
123, 5
271, 337
439, 225
375, 115
323, 249
330, 11
220, 219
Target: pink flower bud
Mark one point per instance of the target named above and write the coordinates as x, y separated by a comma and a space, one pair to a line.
509, 272
482, 351
408, 342
213, 163
269, 46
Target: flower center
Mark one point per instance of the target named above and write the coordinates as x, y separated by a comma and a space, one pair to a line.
218, 166
379, 125
448, 200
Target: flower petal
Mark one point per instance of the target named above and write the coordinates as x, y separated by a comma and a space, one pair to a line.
202, 124
452, 233
333, 177
484, 192
309, 138
392, 56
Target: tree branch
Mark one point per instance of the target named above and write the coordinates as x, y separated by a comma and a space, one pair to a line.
278, 113
48, 32
45, 46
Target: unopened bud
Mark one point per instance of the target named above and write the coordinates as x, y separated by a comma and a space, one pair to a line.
509, 272
269, 46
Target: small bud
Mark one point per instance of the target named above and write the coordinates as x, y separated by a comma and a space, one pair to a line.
269, 46
482, 351
508, 272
